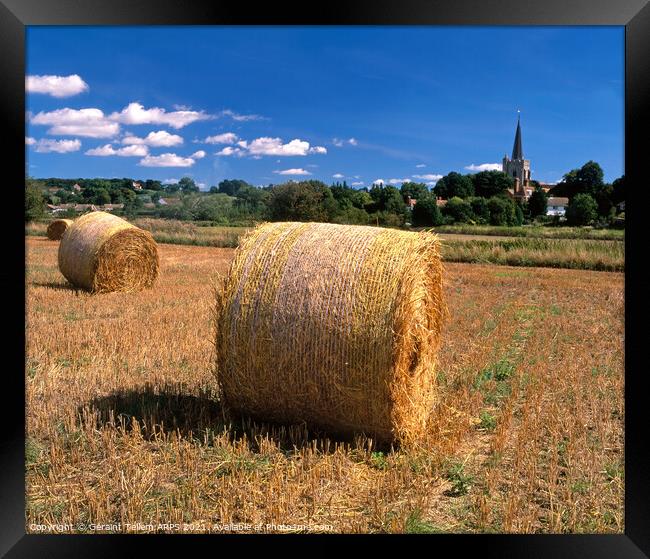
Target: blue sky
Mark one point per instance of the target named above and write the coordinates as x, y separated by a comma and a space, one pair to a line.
267, 104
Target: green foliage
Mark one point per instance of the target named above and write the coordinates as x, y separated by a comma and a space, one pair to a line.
480, 209
459, 210
488, 421
603, 199
582, 210
586, 180
519, 214
454, 184
416, 525
187, 184
618, 190
414, 190
491, 183
387, 199
230, 187
352, 216
426, 212
460, 481
537, 203
386, 219
34, 202
301, 201
378, 460
502, 211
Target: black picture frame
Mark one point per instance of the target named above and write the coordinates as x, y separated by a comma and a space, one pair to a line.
15, 15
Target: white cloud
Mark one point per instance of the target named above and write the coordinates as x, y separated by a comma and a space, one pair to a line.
56, 86
398, 181
166, 160
484, 167
239, 117
271, 146
198, 154
338, 176
231, 151
420, 166
226, 138
135, 113
339, 143
378, 182
91, 123
161, 138
29, 141
429, 177
57, 146
358, 183
274, 146
128, 151
170, 181
293, 172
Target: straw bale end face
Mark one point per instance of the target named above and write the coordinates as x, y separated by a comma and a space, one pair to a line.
102, 252
333, 325
56, 229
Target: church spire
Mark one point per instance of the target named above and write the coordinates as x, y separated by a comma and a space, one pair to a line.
517, 150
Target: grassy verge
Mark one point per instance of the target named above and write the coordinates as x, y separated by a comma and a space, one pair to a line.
579, 254
535, 232
582, 254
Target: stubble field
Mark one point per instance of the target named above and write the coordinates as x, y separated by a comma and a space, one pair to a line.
124, 429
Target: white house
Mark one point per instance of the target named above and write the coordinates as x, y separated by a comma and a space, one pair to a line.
556, 206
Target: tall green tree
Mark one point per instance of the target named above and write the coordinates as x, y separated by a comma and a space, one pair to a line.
503, 211
491, 183
582, 210
387, 199
187, 184
454, 184
588, 179
231, 186
414, 190
458, 210
34, 201
618, 190
537, 203
301, 201
426, 212
480, 209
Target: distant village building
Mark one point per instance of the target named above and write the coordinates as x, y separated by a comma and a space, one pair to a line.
557, 206
410, 202
518, 168
76, 187
137, 185
79, 208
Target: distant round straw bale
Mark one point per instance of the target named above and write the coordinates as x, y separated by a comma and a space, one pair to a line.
102, 252
56, 229
336, 326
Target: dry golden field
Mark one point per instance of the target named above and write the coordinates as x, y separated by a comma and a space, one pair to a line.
125, 433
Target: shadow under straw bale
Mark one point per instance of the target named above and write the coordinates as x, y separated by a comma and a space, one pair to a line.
161, 411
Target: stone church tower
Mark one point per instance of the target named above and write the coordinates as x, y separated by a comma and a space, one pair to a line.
517, 167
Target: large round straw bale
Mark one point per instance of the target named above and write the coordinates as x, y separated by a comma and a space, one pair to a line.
56, 229
336, 326
102, 252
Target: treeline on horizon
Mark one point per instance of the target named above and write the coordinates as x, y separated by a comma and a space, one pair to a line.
479, 198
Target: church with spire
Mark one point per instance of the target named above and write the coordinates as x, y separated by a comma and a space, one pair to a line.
518, 168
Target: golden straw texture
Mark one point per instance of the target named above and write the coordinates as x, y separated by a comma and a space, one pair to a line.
56, 229
102, 252
337, 326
